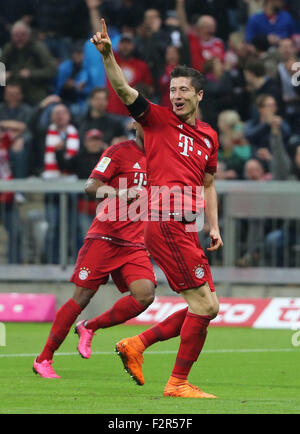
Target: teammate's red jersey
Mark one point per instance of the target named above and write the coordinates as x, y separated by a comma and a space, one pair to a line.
177, 154
126, 162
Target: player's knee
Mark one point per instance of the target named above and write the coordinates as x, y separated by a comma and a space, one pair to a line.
145, 294
146, 298
213, 310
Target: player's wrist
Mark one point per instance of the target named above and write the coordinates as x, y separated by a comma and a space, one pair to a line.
108, 55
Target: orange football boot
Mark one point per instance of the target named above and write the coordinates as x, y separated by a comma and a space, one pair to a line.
131, 352
183, 389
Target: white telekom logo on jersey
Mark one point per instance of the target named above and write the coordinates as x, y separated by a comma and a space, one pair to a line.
187, 143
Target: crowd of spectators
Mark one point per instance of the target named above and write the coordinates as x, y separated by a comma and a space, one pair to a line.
247, 49
57, 101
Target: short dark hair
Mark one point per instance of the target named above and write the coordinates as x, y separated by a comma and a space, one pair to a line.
197, 79
14, 83
261, 43
98, 90
257, 68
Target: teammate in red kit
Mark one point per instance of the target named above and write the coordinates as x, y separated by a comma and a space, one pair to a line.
113, 246
181, 152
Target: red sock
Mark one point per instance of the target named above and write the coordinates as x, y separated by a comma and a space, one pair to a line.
167, 329
63, 321
124, 309
193, 335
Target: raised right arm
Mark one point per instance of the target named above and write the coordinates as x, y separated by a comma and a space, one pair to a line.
115, 75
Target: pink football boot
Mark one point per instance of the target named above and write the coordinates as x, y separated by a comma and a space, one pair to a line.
85, 340
44, 369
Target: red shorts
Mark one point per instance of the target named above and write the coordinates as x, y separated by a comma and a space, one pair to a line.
179, 254
97, 259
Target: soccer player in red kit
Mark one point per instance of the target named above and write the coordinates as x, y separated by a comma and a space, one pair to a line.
181, 152
113, 246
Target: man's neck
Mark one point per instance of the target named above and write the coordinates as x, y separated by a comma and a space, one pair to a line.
259, 83
270, 11
97, 113
189, 119
21, 46
204, 37
12, 105
61, 129
125, 57
139, 142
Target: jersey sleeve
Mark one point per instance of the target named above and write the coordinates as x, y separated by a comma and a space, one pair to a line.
154, 116
107, 167
212, 162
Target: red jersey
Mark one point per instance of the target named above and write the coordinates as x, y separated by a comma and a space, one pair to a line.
178, 155
126, 162
136, 72
202, 51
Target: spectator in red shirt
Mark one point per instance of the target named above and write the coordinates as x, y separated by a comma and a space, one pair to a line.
136, 72
203, 43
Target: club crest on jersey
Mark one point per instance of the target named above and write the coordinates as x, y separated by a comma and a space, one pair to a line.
103, 164
84, 273
199, 271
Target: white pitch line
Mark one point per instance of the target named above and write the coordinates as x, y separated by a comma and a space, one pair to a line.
220, 351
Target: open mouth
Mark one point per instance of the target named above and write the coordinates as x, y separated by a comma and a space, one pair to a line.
179, 105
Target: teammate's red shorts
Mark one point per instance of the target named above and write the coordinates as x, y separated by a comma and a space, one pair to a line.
179, 254
97, 259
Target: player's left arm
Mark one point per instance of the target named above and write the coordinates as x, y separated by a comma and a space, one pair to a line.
91, 187
97, 189
211, 211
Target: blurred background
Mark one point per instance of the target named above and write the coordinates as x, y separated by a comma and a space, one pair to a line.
58, 114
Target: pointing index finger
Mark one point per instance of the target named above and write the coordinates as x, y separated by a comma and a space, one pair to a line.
104, 28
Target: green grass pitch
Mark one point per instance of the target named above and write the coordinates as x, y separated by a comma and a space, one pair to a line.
251, 371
